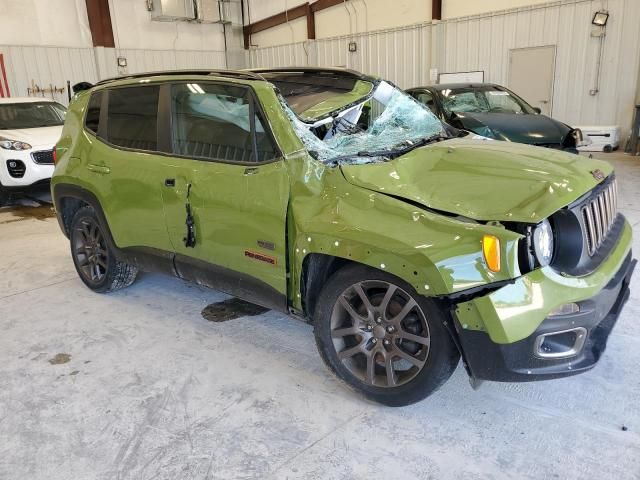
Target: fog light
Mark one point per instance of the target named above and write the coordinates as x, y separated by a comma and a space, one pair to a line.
566, 343
566, 309
16, 168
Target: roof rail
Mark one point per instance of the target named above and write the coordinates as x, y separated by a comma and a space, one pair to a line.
244, 75
345, 72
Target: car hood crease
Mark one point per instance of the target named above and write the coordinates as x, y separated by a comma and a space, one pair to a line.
483, 180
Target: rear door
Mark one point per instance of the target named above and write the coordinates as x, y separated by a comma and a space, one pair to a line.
231, 184
124, 168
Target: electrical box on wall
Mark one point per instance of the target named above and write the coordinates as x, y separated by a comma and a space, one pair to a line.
171, 10
208, 11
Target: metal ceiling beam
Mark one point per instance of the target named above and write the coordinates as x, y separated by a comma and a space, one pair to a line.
436, 9
305, 10
100, 23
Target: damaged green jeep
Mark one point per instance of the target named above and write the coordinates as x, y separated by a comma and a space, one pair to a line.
335, 197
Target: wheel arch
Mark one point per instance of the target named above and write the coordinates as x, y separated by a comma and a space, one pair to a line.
318, 267
68, 199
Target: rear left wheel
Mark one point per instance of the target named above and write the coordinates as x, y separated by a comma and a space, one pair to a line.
382, 338
94, 260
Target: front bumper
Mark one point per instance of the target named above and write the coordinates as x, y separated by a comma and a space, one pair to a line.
497, 331
35, 174
519, 362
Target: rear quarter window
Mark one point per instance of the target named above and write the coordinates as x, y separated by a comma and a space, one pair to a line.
92, 120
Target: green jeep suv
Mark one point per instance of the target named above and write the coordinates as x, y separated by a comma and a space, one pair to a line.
337, 198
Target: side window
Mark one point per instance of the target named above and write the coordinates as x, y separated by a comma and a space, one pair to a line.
92, 120
426, 98
215, 122
133, 117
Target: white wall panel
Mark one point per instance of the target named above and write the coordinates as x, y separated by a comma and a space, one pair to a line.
61, 23
282, 55
47, 66
55, 65
400, 55
134, 29
154, 60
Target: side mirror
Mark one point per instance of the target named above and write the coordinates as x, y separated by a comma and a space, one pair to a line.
537, 110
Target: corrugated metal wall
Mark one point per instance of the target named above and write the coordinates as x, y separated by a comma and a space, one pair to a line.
47, 66
401, 55
398, 55
483, 42
282, 55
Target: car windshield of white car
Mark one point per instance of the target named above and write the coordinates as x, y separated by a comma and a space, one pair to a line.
31, 115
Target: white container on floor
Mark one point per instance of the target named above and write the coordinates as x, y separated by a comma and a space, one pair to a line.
604, 138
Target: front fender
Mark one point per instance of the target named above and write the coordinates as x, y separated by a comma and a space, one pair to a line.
435, 253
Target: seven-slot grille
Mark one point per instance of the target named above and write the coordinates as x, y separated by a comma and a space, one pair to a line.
43, 157
599, 215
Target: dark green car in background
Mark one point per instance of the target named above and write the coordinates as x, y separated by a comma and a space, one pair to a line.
496, 113
337, 198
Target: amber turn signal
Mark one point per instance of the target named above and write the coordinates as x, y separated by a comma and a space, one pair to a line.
491, 252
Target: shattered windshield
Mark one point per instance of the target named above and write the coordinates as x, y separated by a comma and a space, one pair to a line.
482, 100
383, 125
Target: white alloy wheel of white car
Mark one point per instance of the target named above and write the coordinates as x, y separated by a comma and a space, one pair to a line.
29, 130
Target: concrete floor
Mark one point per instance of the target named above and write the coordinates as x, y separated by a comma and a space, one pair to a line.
150, 389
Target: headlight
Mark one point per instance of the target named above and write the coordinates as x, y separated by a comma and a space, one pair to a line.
543, 244
484, 131
14, 145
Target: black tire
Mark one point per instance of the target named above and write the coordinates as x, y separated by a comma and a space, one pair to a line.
439, 358
95, 261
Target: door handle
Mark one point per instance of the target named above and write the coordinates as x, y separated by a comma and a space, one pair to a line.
251, 171
102, 169
170, 182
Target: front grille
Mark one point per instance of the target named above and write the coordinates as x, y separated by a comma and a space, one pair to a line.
43, 157
598, 216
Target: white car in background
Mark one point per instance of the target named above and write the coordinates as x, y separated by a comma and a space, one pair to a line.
29, 130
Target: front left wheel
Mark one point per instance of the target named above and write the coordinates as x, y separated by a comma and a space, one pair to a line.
382, 338
94, 260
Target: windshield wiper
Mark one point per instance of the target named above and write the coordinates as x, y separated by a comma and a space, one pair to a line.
390, 154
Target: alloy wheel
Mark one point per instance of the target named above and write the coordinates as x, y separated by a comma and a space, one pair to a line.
380, 333
89, 249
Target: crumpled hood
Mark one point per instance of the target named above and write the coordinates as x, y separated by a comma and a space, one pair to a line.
36, 137
483, 180
531, 129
